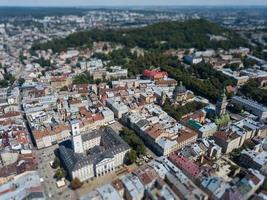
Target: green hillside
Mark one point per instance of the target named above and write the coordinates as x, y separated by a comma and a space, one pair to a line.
160, 36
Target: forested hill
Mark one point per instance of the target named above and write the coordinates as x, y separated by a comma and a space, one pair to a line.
161, 36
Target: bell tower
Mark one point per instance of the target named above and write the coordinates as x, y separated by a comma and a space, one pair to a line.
221, 104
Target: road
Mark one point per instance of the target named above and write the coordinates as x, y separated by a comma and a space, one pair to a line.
46, 172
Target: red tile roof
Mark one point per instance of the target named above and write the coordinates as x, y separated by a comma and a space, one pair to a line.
155, 74
226, 135
98, 117
10, 114
58, 79
185, 164
146, 174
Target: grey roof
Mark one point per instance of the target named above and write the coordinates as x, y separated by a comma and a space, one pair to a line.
36, 195
141, 123
74, 121
109, 192
250, 103
97, 150
71, 160
111, 144
23, 182
180, 89
3, 100
96, 158
111, 139
90, 135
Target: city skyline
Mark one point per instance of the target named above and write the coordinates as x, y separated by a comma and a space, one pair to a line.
63, 3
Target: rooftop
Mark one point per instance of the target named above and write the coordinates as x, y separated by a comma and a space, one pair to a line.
111, 144
21, 186
226, 136
185, 164
250, 103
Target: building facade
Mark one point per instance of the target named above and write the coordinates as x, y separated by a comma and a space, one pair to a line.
93, 154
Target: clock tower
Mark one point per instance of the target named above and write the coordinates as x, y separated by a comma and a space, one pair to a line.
77, 143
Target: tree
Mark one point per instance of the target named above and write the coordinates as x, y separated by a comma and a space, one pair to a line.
56, 163
178, 112
191, 33
78, 65
68, 61
131, 157
21, 81
11, 79
134, 141
64, 88
233, 170
248, 63
60, 173
223, 120
98, 81
253, 91
235, 154
105, 47
83, 78
8, 80
234, 66
202, 79
3, 83
235, 108
43, 62
76, 183
264, 186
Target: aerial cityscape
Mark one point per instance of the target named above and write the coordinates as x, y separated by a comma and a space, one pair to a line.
125, 100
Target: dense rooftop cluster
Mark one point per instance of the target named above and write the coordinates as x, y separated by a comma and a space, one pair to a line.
174, 110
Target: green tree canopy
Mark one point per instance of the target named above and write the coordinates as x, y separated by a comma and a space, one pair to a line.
131, 157
60, 173
164, 35
56, 163
76, 183
134, 141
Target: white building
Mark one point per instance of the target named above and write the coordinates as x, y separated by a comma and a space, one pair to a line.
94, 153
251, 106
134, 189
117, 106
23, 186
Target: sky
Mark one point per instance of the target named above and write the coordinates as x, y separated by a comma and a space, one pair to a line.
127, 2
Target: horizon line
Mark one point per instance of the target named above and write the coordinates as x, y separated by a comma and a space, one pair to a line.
121, 5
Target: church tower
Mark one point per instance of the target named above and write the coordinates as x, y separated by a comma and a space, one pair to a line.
163, 98
221, 105
77, 143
